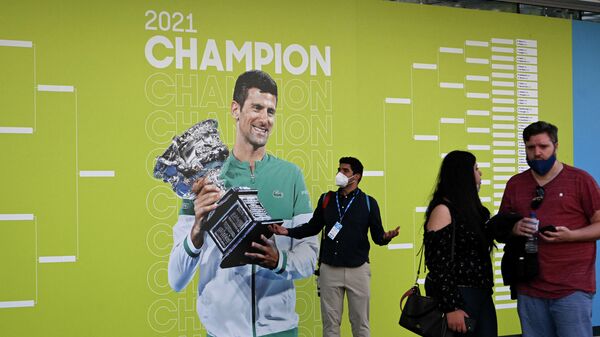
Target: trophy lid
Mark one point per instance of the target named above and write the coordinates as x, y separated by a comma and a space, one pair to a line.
196, 153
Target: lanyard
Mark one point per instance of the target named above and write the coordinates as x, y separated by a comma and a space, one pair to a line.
337, 201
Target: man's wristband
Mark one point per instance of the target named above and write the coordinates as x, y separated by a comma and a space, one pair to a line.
189, 247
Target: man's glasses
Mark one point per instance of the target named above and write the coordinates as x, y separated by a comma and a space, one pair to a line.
536, 202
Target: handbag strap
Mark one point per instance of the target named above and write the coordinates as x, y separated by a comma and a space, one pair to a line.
422, 249
407, 294
415, 289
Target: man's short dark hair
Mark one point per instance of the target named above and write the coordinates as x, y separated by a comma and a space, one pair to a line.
253, 79
355, 165
541, 127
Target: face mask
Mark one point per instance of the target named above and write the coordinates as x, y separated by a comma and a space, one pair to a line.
341, 180
542, 166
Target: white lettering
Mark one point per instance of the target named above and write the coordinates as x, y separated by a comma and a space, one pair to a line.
288, 63
259, 59
211, 56
294, 58
278, 58
239, 54
191, 53
324, 63
149, 51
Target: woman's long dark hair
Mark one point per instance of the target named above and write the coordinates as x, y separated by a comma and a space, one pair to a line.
456, 186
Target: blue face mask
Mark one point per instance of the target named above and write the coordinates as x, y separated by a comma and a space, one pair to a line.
542, 166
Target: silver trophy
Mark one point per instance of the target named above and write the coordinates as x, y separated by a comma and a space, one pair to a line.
240, 218
197, 153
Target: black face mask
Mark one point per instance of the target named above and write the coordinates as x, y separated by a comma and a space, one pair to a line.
542, 166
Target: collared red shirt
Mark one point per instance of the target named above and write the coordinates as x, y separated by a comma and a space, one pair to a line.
570, 200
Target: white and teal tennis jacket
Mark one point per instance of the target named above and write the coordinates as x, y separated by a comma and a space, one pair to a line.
249, 300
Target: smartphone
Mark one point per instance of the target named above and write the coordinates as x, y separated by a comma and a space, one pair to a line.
470, 323
549, 228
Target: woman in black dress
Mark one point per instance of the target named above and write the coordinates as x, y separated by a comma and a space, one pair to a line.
458, 244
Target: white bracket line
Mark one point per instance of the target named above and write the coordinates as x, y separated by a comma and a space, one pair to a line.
449, 50
478, 113
474, 60
506, 118
400, 246
503, 66
373, 174
426, 137
445, 120
473, 147
498, 92
477, 43
27, 303
503, 84
452, 85
503, 50
504, 169
67, 89
481, 95
87, 174
478, 130
20, 44
503, 101
16, 43
427, 66
15, 130
16, 217
57, 259
478, 78
504, 152
503, 109
499, 126
503, 58
503, 41
17, 304
502, 75
421, 209
55, 88
394, 100
503, 135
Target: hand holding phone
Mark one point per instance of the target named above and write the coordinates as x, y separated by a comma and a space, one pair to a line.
470, 323
549, 228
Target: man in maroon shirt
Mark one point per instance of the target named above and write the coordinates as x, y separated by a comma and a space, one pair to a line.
558, 301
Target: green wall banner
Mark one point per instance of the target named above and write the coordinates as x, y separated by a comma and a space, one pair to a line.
92, 92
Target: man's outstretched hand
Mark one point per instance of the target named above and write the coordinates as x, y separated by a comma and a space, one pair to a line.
278, 229
391, 234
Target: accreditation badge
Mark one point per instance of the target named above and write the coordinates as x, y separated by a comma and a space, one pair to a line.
334, 230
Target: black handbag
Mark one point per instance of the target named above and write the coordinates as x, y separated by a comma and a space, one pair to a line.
421, 314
